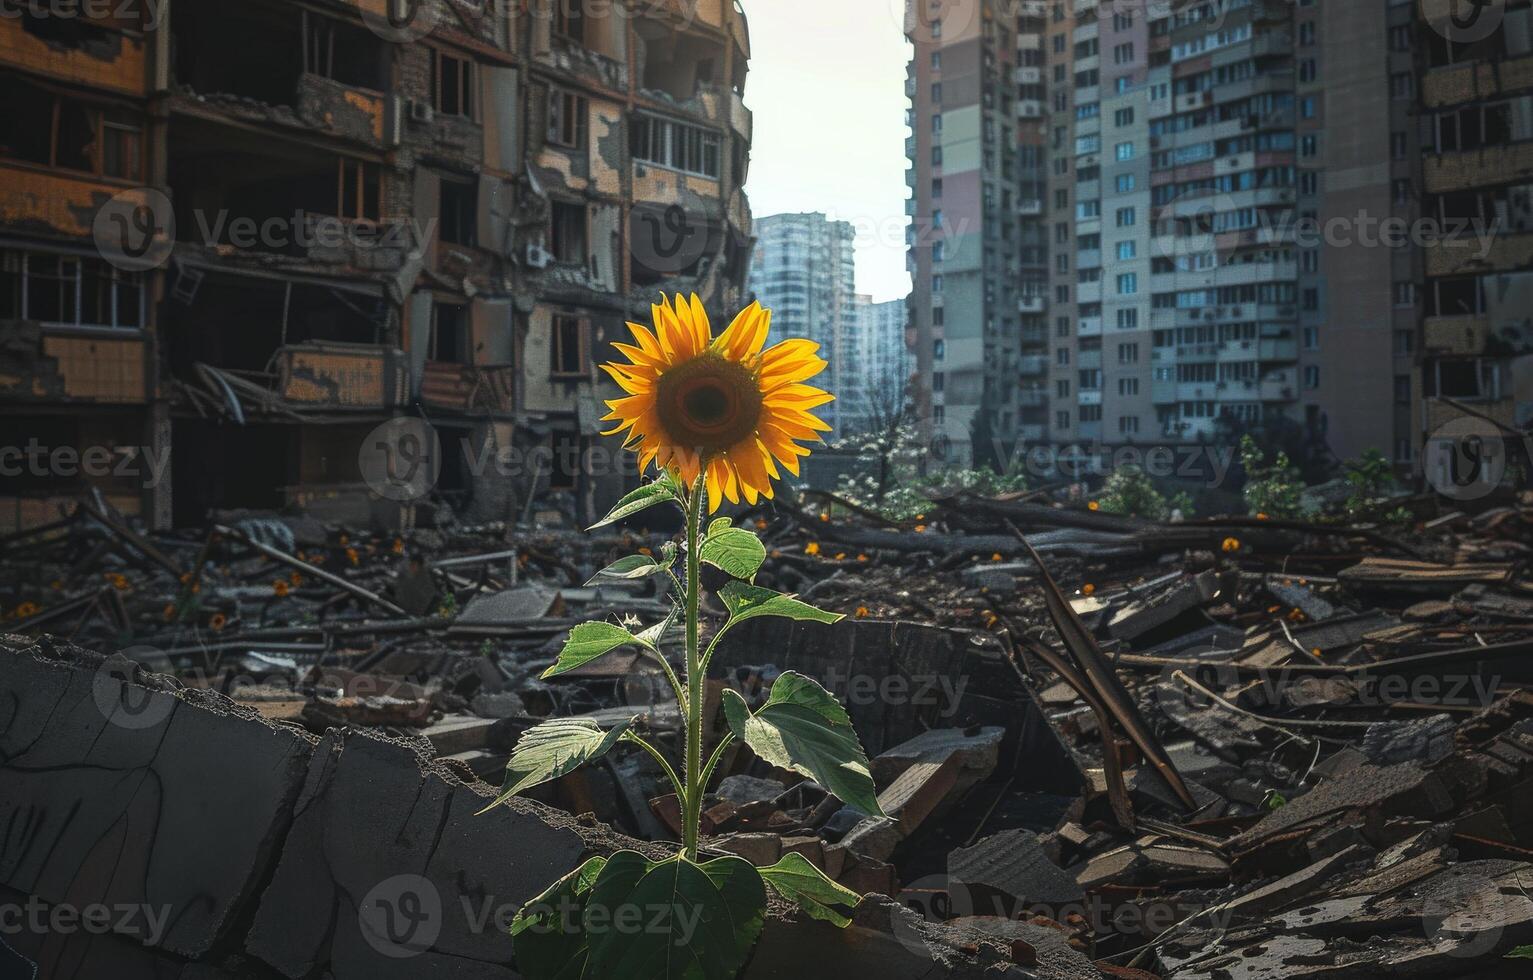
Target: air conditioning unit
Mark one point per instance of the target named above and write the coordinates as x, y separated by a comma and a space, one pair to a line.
539, 257
421, 112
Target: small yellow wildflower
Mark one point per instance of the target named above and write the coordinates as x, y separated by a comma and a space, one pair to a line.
812, 548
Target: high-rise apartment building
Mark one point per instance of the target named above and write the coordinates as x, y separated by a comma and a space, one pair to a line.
804, 270
883, 362
1216, 170
1476, 131
977, 246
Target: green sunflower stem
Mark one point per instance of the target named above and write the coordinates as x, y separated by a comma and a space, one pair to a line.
692, 805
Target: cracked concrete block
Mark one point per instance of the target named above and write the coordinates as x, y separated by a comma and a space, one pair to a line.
885, 940
122, 790
388, 872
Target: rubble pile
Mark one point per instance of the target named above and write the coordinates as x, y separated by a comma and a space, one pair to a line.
1227, 747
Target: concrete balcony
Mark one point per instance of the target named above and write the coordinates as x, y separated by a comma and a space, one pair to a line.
1475, 81
1034, 397
1456, 334
1032, 304
1089, 326
1486, 167
1028, 75
1280, 387
1029, 207
1469, 256
1278, 349
1088, 292
1089, 396
1033, 366
342, 376
1163, 392
1029, 109
1033, 432
1238, 390
1200, 391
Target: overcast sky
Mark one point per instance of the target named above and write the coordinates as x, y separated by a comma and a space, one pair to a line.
827, 86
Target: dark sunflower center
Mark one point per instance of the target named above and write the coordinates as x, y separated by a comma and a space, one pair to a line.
708, 404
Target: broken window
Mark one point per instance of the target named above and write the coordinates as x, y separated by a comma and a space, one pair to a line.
565, 450
449, 334
569, 347
453, 85
69, 291
458, 207
567, 232
567, 119
675, 144
122, 150
359, 193
253, 50
570, 20
40, 126
342, 53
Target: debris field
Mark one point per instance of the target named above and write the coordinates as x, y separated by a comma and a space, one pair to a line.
1216, 748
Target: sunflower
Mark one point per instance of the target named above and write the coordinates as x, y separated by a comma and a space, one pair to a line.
721, 406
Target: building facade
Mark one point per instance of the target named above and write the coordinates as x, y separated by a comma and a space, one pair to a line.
1193, 146
1476, 136
242, 235
977, 246
804, 270
884, 362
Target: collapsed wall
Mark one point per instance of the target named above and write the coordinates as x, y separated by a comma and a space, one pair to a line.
161, 832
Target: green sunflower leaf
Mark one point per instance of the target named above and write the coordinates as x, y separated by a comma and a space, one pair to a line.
643, 498
633, 566
735, 550
674, 919
555, 748
749, 601
589, 641
800, 882
551, 943
804, 728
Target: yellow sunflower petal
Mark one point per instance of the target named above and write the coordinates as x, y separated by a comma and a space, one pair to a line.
798, 396
743, 338
641, 359
627, 381
701, 328
675, 339
648, 342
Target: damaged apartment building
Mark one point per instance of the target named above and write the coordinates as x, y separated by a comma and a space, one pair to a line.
236, 236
